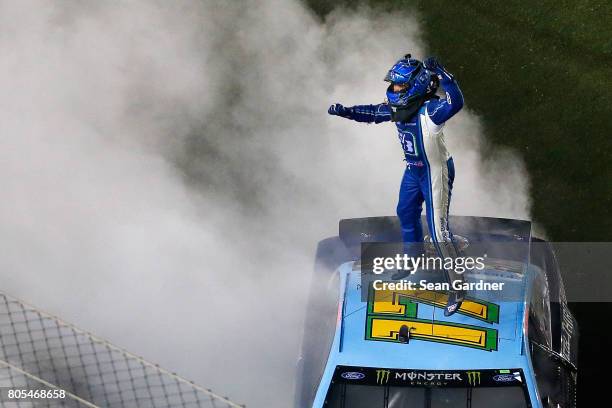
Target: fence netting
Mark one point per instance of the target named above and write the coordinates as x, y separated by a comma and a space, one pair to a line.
40, 351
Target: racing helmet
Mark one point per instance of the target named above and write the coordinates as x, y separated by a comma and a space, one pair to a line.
419, 82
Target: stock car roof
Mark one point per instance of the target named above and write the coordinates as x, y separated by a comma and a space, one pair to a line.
486, 333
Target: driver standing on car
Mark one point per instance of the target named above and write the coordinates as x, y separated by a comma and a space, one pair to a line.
419, 115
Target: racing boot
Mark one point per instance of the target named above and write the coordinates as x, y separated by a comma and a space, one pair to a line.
413, 250
455, 298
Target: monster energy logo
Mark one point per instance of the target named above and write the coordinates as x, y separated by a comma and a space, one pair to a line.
473, 377
382, 376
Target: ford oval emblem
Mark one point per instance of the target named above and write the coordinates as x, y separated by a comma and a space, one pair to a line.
352, 375
503, 378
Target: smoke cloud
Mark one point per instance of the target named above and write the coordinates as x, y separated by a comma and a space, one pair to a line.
168, 168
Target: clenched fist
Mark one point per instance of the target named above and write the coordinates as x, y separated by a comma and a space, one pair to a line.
337, 109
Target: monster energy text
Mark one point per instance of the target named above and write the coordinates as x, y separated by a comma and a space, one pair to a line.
427, 379
421, 378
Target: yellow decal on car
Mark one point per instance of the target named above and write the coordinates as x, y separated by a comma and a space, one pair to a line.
389, 310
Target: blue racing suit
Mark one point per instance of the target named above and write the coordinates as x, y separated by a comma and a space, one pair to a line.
429, 170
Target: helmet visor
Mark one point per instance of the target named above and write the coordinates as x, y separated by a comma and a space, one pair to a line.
399, 77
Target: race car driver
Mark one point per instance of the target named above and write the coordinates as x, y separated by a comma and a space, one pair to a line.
419, 115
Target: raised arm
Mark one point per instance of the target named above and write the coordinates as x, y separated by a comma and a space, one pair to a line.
362, 113
442, 110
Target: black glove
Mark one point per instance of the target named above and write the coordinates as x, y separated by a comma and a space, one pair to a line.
337, 110
433, 65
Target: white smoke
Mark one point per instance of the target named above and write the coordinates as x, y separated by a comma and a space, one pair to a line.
168, 168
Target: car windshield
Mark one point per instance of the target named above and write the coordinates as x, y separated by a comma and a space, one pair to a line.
372, 396
364, 387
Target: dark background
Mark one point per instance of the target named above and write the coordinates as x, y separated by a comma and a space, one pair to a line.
539, 76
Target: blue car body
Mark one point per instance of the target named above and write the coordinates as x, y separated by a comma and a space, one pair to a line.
516, 345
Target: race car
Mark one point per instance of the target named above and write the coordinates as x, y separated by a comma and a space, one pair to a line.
510, 348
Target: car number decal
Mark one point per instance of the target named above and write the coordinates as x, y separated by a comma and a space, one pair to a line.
389, 310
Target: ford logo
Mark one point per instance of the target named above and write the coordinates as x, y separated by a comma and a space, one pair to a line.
352, 375
503, 378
